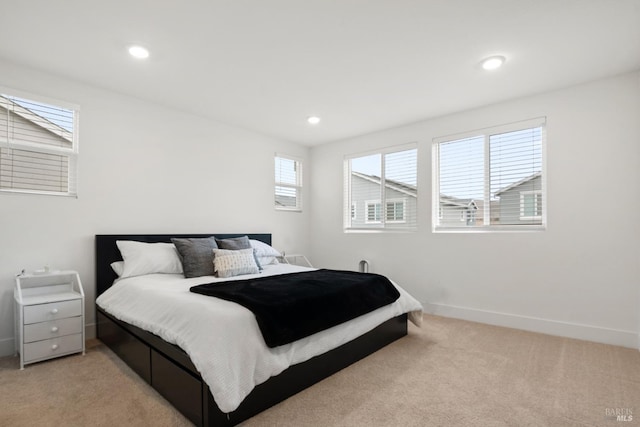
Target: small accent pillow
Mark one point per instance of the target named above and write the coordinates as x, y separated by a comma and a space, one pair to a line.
196, 255
236, 243
229, 263
266, 254
148, 258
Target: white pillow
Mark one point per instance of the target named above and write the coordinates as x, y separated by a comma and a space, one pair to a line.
118, 267
266, 254
148, 258
229, 263
266, 260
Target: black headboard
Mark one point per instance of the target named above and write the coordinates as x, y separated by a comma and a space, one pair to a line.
107, 251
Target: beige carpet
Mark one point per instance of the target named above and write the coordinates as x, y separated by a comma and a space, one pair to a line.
449, 373
96, 389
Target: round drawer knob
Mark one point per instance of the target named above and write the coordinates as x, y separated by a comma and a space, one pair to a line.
54, 311
54, 347
54, 329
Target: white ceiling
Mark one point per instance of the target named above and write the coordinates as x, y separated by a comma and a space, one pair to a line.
362, 65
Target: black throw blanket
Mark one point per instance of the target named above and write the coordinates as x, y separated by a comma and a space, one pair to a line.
292, 306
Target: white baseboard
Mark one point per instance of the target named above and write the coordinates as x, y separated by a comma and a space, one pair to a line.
551, 327
564, 329
7, 344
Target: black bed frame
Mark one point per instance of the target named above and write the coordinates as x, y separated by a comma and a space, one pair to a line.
168, 369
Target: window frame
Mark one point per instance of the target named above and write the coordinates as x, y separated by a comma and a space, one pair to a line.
297, 187
347, 194
437, 214
71, 153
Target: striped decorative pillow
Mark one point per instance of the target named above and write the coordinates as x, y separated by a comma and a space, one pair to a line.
229, 263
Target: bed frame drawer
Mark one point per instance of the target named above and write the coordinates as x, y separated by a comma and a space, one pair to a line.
132, 351
178, 386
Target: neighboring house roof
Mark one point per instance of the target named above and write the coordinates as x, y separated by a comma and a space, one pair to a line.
34, 118
518, 183
412, 191
402, 187
455, 201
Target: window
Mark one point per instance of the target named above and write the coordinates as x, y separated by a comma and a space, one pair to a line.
38, 147
288, 183
491, 179
374, 212
395, 211
530, 205
383, 185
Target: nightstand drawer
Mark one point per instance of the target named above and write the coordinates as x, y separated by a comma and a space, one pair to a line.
52, 311
52, 348
52, 329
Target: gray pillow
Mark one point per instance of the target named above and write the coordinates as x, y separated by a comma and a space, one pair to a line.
196, 255
234, 243
237, 243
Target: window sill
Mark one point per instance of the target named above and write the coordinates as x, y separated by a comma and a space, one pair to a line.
378, 230
494, 229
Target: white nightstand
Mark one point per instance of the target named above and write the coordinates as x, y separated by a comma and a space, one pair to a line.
49, 315
296, 259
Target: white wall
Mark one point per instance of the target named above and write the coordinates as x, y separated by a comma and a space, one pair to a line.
143, 168
579, 278
149, 169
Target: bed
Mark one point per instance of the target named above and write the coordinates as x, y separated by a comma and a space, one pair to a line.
172, 372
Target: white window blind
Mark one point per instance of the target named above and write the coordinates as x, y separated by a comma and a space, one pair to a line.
38, 147
491, 179
381, 190
288, 183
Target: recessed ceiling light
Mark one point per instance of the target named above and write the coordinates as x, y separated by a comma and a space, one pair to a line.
493, 62
313, 120
138, 52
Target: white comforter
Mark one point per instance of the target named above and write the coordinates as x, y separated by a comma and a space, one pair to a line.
222, 338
